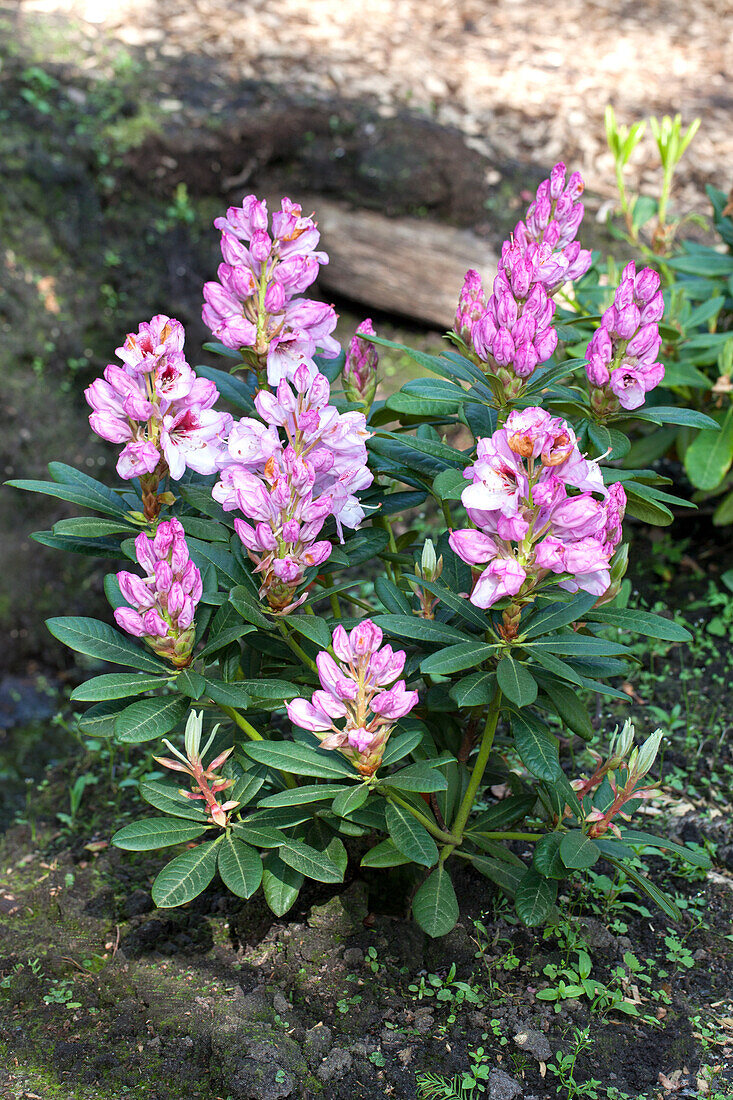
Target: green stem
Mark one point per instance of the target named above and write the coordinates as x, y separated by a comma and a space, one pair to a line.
446, 513
297, 650
434, 830
383, 522
327, 582
510, 836
254, 735
487, 741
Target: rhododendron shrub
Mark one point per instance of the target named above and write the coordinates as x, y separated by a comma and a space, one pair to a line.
350, 678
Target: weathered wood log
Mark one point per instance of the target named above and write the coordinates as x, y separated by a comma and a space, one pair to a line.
398, 265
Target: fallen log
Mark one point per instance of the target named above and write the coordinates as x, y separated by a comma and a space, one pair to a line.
407, 266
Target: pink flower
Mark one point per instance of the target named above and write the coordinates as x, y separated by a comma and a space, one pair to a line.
351, 689
621, 356
502, 577
252, 306
157, 406
360, 368
532, 500
164, 601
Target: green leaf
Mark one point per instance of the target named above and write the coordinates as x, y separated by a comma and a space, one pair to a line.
646, 886
89, 527
281, 884
99, 720
505, 875
516, 682
454, 658
310, 862
261, 836
504, 813
435, 906
645, 208
535, 898
155, 832
571, 710
609, 439
240, 867
638, 836
391, 596
410, 837
547, 859
116, 685
97, 639
231, 388
641, 622
165, 797
576, 645
350, 799
709, 456
578, 852
401, 744
417, 777
83, 496
291, 756
556, 615
474, 690
557, 667
449, 485
248, 605
186, 876
302, 796
537, 747
691, 418
312, 628
225, 637
228, 695
190, 683
384, 854
150, 718
422, 630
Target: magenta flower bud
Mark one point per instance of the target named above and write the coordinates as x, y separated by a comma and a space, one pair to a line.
473, 547
502, 577
503, 348
525, 359
317, 553
134, 589
186, 614
274, 298
557, 180
286, 569
545, 343
130, 620
176, 601
163, 576
365, 638
360, 368
304, 714
395, 703
110, 427
154, 623
471, 305
646, 285
333, 680
385, 665
627, 320
645, 344
260, 245
653, 311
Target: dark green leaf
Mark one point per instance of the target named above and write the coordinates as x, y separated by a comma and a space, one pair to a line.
547, 859
156, 832
190, 683
116, 685
474, 690
301, 759
301, 796
350, 799
281, 884
311, 627
578, 851
97, 639
416, 777
641, 622
537, 747
240, 867
435, 906
248, 605
505, 875
410, 837
310, 862
534, 898
185, 877
165, 797
149, 719
423, 630
516, 682
384, 855
455, 658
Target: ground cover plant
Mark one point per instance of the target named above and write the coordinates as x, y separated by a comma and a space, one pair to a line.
268, 575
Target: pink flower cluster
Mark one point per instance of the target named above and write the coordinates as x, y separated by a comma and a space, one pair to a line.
157, 407
254, 304
511, 329
360, 368
354, 687
553, 220
164, 601
528, 523
287, 488
622, 354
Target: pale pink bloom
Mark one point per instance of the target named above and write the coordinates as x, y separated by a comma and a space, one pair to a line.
502, 577
351, 690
